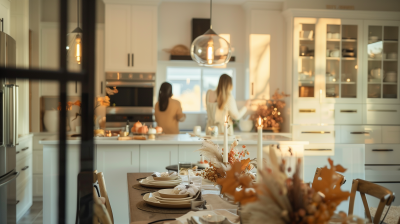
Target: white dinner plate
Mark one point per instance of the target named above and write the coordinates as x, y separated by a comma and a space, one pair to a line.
149, 199
152, 185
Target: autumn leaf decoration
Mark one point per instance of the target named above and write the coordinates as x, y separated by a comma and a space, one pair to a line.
329, 185
234, 179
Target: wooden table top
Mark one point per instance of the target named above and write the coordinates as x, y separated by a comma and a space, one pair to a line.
138, 216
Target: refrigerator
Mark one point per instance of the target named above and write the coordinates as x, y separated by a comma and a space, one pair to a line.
8, 133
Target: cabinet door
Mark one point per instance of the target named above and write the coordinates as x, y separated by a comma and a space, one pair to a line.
304, 60
154, 158
350, 157
340, 42
117, 37
100, 75
381, 68
143, 38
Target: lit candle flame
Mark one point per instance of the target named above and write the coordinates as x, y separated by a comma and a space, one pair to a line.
259, 121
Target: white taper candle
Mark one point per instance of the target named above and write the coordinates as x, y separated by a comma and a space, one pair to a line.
259, 145
225, 140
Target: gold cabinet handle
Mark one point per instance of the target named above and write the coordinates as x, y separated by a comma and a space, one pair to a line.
348, 111
315, 132
307, 111
382, 150
394, 111
359, 133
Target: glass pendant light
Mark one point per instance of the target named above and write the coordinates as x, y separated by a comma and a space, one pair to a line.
75, 41
210, 49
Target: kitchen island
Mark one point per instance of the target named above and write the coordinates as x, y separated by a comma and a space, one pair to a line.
117, 158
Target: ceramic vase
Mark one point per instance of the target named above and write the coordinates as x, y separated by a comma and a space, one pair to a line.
74, 122
50, 120
100, 113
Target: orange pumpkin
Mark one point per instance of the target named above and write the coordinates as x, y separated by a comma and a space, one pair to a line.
143, 130
159, 129
136, 126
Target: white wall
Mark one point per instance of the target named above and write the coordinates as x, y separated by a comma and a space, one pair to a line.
5, 14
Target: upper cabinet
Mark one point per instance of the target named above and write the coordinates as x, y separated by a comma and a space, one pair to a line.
381, 50
130, 38
326, 60
345, 71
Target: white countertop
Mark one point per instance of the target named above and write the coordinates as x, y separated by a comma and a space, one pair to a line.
182, 139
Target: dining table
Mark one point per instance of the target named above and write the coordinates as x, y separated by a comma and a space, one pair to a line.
210, 193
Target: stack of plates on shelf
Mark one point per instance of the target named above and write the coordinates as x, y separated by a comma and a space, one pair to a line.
166, 198
161, 182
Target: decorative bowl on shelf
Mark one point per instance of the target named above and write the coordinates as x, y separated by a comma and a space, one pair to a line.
246, 125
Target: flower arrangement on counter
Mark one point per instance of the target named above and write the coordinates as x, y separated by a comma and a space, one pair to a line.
217, 168
279, 199
271, 112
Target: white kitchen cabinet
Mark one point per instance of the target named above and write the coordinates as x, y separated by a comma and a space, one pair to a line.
361, 134
382, 154
130, 38
381, 114
351, 157
188, 153
391, 134
381, 57
154, 158
24, 180
319, 150
316, 133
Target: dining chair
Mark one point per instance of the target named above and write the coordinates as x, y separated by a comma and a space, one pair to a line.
385, 196
340, 178
103, 193
100, 213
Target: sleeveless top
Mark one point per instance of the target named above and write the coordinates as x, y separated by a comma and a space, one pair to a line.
216, 117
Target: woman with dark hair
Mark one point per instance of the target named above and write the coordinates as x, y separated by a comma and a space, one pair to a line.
168, 112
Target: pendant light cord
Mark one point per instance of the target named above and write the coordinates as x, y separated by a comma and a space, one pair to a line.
78, 11
210, 14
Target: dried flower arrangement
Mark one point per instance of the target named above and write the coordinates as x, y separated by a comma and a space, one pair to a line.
217, 167
277, 198
271, 111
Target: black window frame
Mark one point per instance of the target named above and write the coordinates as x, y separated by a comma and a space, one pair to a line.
87, 78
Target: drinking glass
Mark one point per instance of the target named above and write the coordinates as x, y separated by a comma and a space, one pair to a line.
184, 165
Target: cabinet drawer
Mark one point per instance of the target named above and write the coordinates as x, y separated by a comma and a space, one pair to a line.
382, 154
361, 134
315, 134
348, 114
24, 167
382, 173
391, 134
23, 149
307, 113
381, 114
319, 150
24, 197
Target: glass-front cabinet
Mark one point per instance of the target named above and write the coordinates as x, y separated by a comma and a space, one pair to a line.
381, 50
341, 64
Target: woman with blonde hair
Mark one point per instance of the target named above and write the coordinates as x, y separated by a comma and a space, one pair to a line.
220, 103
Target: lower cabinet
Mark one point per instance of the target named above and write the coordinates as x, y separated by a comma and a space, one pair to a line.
154, 158
351, 157
24, 180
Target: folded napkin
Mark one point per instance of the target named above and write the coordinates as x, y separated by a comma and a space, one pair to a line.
164, 174
190, 189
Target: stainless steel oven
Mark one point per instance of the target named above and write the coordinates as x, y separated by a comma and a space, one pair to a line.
134, 100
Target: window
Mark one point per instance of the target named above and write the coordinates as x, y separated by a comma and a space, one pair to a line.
190, 85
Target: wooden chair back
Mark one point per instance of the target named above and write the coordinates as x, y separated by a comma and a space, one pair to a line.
103, 193
385, 196
340, 178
